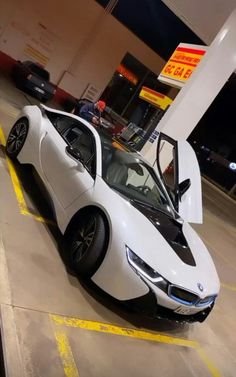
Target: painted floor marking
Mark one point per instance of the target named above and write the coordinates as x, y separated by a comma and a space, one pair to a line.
66, 352
118, 330
209, 364
229, 287
17, 187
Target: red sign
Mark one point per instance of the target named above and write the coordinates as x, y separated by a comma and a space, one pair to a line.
181, 64
127, 74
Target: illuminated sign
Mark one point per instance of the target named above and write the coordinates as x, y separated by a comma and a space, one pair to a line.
127, 74
157, 99
181, 64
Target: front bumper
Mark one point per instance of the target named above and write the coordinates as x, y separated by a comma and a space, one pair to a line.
148, 306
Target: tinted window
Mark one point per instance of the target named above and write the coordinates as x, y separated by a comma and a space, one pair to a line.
168, 166
83, 141
128, 174
62, 122
77, 136
80, 140
39, 71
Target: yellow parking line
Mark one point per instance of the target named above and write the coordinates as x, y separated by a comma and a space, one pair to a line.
14, 177
2, 137
127, 332
230, 287
38, 218
66, 355
118, 330
214, 371
17, 187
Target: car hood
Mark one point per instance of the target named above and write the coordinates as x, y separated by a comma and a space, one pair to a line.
171, 229
169, 246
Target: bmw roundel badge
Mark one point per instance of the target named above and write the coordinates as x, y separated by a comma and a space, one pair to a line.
200, 287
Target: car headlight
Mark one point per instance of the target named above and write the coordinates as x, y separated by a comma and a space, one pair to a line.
143, 269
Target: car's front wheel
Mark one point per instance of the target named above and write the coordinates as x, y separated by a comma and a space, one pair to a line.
17, 137
87, 243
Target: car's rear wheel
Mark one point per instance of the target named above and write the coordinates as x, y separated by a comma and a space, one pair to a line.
87, 241
17, 137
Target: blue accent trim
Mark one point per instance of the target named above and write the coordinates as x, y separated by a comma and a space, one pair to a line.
210, 301
194, 303
183, 301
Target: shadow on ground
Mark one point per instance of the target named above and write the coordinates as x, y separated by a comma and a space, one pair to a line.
42, 206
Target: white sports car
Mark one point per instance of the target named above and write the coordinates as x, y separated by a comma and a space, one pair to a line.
125, 224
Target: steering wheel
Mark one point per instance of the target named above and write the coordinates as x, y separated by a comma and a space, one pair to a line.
144, 189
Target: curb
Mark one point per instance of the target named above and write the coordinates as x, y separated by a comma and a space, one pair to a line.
10, 343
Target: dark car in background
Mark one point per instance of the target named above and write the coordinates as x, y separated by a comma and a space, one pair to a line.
32, 78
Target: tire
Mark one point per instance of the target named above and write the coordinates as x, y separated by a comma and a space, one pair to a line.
17, 137
87, 243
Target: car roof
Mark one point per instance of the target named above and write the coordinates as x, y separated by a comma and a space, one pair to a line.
105, 138
99, 132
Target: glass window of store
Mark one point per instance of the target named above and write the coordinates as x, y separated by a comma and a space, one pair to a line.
122, 92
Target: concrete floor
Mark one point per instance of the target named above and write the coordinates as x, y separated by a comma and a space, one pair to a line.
55, 326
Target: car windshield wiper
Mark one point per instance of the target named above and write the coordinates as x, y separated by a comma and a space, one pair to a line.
149, 205
144, 204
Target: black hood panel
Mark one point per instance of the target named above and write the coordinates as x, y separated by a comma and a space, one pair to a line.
171, 230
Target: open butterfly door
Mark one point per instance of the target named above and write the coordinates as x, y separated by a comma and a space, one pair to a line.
178, 167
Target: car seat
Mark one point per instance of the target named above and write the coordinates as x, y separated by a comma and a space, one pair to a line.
117, 173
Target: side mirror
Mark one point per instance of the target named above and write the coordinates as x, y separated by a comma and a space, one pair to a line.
137, 168
183, 187
75, 154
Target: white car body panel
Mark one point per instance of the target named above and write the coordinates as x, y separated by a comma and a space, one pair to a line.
67, 182
154, 250
72, 189
190, 205
185, 164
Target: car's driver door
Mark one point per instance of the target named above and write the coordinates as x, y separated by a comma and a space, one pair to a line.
178, 167
67, 177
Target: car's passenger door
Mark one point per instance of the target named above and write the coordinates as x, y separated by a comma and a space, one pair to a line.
68, 177
178, 167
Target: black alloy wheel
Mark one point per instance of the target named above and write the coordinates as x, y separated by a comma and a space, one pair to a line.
87, 243
17, 137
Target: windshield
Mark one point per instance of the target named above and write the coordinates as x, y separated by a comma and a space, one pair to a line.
39, 71
127, 173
